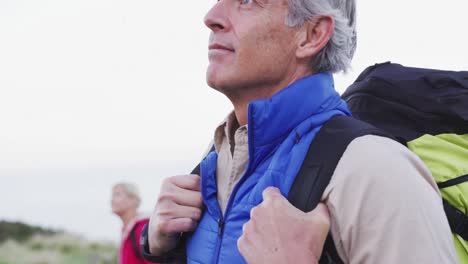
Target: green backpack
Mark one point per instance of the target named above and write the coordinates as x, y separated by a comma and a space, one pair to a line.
426, 110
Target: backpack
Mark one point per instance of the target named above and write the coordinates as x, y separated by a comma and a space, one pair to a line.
427, 111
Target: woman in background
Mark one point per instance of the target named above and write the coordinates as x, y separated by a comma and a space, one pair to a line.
125, 202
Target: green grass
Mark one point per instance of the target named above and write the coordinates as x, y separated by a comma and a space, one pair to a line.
57, 249
24, 244
21, 232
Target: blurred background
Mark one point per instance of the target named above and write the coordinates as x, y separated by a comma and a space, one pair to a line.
93, 92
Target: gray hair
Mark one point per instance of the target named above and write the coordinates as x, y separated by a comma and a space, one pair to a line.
337, 54
131, 190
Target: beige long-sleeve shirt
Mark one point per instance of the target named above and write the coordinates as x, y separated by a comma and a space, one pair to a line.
384, 204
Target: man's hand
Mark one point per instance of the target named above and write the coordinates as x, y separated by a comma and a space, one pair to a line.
280, 233
178, 209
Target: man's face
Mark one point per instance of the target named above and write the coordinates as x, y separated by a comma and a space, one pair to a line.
250, 44
121, 202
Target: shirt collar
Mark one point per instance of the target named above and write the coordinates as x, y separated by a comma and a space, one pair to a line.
224, 130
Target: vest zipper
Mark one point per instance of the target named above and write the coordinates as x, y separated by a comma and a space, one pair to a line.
228, 208
220, 226
234, 191
220, 237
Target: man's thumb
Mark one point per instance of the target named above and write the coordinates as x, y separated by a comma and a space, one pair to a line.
271, 193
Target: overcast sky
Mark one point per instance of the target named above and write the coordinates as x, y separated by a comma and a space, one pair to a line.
96, 91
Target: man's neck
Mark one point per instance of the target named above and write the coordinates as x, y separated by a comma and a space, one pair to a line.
241, 101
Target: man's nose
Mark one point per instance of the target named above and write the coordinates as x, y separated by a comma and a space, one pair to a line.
216, 18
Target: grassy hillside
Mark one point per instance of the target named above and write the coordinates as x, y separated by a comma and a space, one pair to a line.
24, 244
20, 231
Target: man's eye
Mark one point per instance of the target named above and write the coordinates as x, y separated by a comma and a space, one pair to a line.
245, 2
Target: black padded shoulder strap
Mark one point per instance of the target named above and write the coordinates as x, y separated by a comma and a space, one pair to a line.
319, 164
322, 157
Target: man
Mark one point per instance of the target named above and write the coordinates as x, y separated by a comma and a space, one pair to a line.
273, 59
125, 202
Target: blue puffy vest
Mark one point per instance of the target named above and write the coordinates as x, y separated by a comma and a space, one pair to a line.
280, 130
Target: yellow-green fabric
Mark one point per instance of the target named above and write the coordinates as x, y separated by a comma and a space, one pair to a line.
446, 155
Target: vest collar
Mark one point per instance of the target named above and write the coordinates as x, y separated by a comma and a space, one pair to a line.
271, 120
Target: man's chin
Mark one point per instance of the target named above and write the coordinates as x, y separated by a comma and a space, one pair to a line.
221, 81
214, 79
215, 86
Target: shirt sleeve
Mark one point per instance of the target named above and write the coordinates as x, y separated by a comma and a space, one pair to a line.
385, 207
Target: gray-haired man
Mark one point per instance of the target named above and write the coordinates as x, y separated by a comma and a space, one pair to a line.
273, 59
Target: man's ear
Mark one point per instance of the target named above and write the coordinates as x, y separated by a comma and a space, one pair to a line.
314, 35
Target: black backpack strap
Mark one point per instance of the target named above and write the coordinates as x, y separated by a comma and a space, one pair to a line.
134, 242
319, 165
458, 221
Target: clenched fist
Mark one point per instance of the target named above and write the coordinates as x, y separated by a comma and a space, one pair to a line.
277, 232
178, 209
